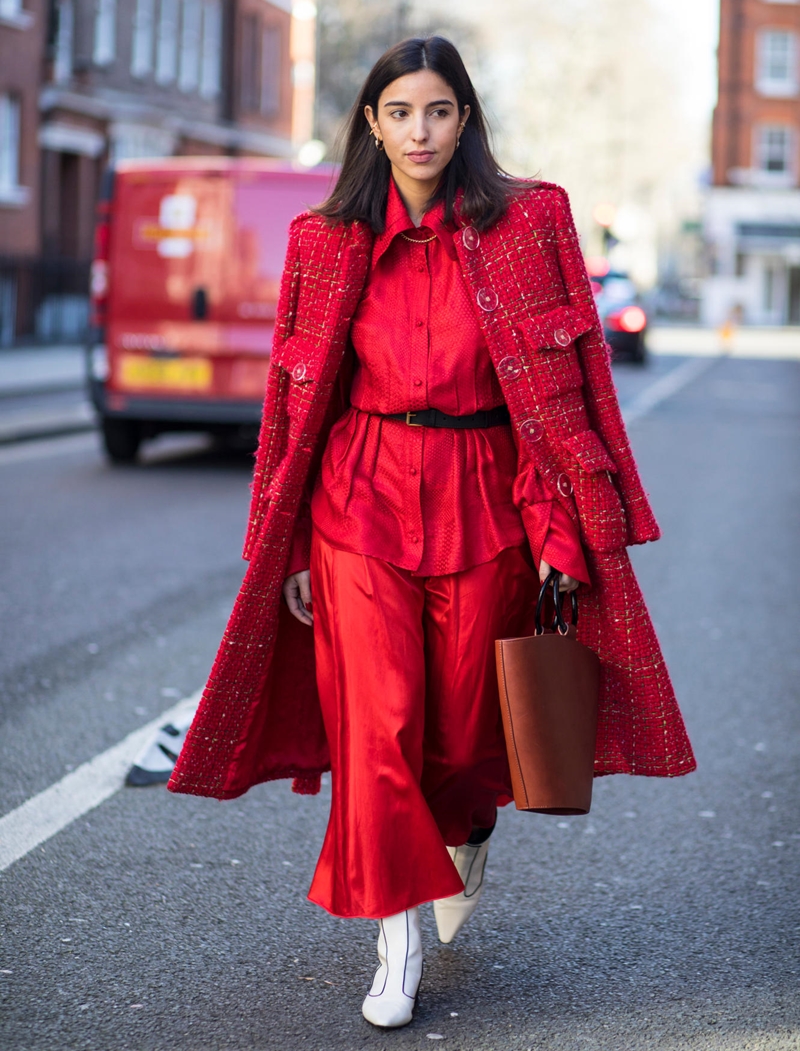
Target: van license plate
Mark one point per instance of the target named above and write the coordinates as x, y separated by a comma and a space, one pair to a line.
187, 374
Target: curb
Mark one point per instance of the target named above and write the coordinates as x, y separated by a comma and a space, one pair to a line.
54, 428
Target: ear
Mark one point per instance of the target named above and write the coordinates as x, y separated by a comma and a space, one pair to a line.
369, 115
465, 114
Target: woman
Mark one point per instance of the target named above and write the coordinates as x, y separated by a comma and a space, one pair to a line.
440, 428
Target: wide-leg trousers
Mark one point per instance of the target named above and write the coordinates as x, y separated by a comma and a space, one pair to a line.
408, 688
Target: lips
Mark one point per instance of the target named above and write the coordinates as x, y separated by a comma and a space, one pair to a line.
421, 155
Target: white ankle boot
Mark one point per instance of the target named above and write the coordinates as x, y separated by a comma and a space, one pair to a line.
390, 1002
452, 913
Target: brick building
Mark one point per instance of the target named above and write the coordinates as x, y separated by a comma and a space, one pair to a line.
752, 213
91, 82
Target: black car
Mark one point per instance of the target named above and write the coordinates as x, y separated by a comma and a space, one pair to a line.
624, 320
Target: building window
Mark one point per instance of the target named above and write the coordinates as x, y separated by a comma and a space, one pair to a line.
9, 143
248, 87
190, 46
211, 49
775, 144
776, 63
10, 9
65, 30
105, 31
142, 50
270, 99
167, 43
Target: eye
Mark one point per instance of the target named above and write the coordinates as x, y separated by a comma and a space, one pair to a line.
398, 114
441, 113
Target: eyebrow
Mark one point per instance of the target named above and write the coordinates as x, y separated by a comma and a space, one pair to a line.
438, 102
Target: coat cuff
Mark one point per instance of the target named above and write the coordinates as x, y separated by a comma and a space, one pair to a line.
554, 537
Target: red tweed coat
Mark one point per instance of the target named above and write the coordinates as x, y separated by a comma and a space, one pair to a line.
259, 718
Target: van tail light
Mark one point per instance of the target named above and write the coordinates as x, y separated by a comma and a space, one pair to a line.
99, 273
630, 319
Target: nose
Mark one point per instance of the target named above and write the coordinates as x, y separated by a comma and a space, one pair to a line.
419, 131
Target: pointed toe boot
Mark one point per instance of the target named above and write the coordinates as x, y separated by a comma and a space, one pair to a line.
391, 1000
452, 913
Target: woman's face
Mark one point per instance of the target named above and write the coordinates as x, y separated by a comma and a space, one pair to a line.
418, 121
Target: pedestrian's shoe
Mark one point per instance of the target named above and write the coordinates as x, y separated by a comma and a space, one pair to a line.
391, 1000
452, 913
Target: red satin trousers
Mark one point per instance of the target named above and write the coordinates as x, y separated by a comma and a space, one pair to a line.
408, 687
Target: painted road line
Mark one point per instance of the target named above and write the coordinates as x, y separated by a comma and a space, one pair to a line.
43, 815
665, 387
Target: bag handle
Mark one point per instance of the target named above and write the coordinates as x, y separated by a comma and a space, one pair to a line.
559, 624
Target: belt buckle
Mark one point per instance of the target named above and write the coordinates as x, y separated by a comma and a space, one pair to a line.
409, 421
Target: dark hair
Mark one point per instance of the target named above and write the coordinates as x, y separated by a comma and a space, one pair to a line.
362, 188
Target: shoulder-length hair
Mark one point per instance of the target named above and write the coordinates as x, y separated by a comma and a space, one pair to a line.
362, 189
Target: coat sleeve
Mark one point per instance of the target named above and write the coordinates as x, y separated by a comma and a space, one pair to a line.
272, 436
601, 396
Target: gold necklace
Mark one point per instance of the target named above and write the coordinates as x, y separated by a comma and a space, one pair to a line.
417, 240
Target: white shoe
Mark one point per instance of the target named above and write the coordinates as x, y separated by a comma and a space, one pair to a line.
452, 913
390, 1002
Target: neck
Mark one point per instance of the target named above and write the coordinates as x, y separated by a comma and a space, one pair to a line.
415, 193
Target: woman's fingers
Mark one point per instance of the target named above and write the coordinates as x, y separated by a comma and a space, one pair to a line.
567, 584
297, 592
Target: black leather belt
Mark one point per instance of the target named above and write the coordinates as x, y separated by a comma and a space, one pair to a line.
434, 418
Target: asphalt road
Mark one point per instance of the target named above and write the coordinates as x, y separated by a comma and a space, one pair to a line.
667, 919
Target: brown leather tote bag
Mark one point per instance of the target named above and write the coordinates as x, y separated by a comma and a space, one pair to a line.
548, 698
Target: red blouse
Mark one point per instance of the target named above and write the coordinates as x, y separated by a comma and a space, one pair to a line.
430, 500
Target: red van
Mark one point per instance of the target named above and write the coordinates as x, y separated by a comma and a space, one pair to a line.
184, 286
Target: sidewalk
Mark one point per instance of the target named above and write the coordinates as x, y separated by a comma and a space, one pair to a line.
43, 393
41, 370
744, 342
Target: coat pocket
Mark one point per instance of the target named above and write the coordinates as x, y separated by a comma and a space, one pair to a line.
552, 336
299, 358
600, 510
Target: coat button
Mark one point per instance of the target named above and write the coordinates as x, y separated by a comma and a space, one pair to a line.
532, 429
470, 238
487, 299
509, 368
562, 337
299, 371
564, 485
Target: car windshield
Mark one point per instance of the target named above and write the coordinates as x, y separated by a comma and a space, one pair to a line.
618, 290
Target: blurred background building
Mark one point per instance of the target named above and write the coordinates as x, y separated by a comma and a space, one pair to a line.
613, 100
85, 83
752, 212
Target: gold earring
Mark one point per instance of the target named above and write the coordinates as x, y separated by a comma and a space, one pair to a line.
378, 142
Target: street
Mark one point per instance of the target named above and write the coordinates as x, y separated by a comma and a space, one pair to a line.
666, 920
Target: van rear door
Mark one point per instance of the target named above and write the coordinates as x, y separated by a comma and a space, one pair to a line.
196, 255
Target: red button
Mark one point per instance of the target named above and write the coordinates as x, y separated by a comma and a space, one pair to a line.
420, 324
414, 539
417, 383
421, 269
413, 470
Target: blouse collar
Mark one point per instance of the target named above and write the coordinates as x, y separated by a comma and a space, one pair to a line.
398, 221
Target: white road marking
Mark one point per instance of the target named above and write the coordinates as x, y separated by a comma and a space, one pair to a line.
665, 387
47, 813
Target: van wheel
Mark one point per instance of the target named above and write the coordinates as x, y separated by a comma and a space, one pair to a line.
121, 439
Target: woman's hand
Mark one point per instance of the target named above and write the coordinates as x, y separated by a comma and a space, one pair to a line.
297, 592
567, 583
